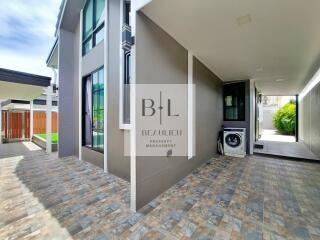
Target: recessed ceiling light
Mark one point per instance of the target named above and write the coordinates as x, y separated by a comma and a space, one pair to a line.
280, 80
260, 69
242, 20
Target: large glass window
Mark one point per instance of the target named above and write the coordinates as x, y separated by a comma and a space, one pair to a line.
93, 109
234, 101
87, 18
99, 12
93, 24
126, 85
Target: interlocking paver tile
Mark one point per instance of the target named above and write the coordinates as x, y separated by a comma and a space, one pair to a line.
44, 197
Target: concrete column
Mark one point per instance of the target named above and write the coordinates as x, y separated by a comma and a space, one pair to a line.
31, 119
48, 118
0, 123
106, 88
80, 89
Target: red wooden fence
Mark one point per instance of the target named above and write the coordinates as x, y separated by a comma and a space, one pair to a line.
27, 124
39, 122
5, 122
16, 124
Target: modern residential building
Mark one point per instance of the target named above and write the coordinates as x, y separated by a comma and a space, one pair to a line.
231, 52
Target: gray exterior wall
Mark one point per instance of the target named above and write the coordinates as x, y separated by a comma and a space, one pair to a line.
309, 124
93, 60
76, 91
243, 124
118, 164
68, 76
156, 174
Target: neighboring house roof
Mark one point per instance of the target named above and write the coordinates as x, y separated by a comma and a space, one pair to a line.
12, 76
69, 13
35, 102
54, 48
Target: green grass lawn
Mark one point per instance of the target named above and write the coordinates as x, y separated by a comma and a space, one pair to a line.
55, 137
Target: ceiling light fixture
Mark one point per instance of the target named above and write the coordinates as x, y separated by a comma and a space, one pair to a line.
280, 80
242, 20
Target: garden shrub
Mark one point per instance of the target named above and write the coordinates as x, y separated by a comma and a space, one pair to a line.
285, 119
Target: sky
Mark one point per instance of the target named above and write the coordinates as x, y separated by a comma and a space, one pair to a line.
27, 34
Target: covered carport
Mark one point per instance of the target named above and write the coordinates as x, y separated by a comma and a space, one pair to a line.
22, 86
273, 44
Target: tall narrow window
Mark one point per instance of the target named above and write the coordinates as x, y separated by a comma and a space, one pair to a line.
98, 110
126, 67
93, 110
126, 92
93, 24
234, 101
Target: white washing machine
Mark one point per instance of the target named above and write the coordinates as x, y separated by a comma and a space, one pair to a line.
234, 142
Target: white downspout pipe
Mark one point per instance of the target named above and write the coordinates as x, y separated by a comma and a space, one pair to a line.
31, 119
55, 77
0, 123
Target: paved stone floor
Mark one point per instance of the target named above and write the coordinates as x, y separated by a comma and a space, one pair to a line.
42, 197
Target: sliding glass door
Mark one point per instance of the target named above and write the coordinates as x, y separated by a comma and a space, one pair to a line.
93, 110
98, 110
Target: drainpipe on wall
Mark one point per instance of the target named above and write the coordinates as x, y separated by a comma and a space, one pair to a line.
0, 123
55, 77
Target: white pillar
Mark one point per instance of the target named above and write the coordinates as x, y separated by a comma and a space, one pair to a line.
48, 118
0, 123
191, 103
252, 114
31, 119
106, 88
80, 92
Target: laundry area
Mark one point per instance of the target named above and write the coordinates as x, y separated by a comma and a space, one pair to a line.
255, 123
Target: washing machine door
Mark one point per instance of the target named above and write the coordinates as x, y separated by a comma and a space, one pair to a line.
233, 140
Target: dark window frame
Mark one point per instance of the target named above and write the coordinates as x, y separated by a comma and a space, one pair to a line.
84, 79
243, 95
95, 28
126, 79
126, 11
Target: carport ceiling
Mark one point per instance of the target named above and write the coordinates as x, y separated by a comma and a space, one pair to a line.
20, 85
274, 42
18, 91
